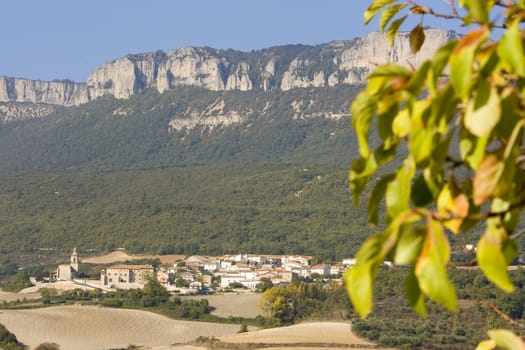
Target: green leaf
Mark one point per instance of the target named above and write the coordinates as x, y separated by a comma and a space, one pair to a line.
401, 125
462, 61
443, 109
420, 193
433, 180
374, 8
415, 297
479, 10
491, 258
431, 270
409, 243
441, 150
439, 62
376, 197
360, 172
483, 112
417, 38
388, 14
420, 141
505, 339
358, 282
510, 49
359, 278
472, 149
390, 70
509, 106
393, 29
419, 77
506, 186
384, 154
398, 190
371, 249
363, 109
385, 120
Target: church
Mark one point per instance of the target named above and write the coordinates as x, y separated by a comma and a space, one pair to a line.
68, 272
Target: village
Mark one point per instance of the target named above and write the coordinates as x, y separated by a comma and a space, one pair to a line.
197, 273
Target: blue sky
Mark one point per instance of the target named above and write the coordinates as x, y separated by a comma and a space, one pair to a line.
59, 39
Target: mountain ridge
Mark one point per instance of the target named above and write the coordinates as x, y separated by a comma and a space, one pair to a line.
276, 68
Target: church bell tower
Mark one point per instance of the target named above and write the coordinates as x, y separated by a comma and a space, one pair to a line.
74, 260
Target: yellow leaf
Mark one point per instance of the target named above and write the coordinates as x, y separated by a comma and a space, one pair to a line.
456, 207
488, 344
506, 339
486, 178
483, 111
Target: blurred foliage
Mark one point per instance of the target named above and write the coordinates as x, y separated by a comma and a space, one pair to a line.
457, 120
392, 323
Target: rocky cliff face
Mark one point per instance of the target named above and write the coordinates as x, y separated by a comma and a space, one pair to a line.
285, 68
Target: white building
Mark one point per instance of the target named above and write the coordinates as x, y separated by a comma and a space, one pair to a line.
68, 272
349, 262
320, 269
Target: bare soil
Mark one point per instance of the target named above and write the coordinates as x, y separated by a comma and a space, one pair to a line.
120, 256
241, 305
304, 333
88, 327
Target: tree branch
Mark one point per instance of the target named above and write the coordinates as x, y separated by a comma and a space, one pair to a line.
505, 316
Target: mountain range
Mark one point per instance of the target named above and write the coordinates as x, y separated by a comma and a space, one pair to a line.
277, 68
195, 150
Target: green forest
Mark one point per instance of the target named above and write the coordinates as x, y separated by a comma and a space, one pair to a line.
253, 207
99, 178
109, 134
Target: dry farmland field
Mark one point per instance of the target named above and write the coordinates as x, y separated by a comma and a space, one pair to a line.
88, 327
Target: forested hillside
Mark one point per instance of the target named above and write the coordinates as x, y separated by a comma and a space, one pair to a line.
186, 126
212, 209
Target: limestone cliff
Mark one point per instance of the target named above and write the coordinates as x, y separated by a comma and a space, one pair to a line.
284, 67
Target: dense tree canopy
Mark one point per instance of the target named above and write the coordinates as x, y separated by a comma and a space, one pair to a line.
457, 120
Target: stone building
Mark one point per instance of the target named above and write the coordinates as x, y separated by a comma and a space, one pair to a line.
126, 276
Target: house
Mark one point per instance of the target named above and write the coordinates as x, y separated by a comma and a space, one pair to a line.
195, 262
126, 276
226, 264
336, 269
163, 276
349, 262
258, 259
213, 265
68, 272
300, 259
226, 280
320, 269
240, 258
291, 266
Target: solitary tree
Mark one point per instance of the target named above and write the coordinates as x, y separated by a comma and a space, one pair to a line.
457, 121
